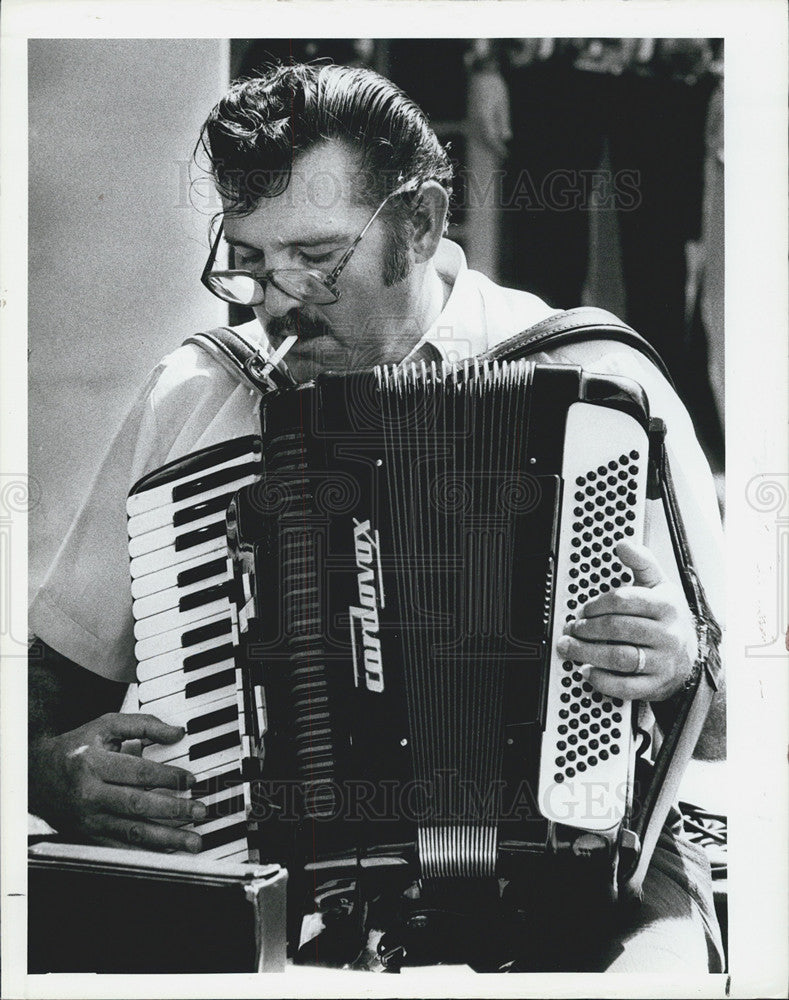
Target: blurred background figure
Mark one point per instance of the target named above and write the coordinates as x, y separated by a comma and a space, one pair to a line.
710, 285
610, 159
602, 142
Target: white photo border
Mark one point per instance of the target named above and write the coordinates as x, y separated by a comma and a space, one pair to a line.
755, 33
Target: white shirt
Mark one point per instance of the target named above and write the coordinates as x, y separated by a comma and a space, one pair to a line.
83, 609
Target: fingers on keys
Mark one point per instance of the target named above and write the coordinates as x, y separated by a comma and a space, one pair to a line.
138, 726
145, 805
139, 833
125, 769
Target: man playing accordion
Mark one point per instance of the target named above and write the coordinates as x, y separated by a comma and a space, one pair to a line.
335, 195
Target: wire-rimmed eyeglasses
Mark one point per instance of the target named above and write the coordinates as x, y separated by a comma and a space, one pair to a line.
248, 289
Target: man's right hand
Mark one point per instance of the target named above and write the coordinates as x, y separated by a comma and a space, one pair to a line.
81, 783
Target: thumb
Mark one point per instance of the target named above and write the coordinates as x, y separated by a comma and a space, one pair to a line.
638, 558
135, 726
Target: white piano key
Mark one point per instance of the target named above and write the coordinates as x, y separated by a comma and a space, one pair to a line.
221, 822
163, 579
162, 537
202, 773
170, 684
224, 836
160, 516
237, 856
245, 613
223, 796
176, 709
260, 703
237, 849
167, 641
165, 663
219, 775
223, 758
223, 793
161, 496
167, 621
168, 557
164, 752
163, 600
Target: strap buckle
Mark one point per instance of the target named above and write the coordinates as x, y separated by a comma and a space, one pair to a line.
264, 375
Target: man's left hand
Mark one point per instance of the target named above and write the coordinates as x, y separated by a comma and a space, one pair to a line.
651, 615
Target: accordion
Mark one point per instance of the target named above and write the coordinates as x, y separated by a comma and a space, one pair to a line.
355, 617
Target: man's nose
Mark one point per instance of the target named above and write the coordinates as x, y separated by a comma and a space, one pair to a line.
279, 303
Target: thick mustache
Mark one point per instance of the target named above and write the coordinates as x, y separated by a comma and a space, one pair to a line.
303, 326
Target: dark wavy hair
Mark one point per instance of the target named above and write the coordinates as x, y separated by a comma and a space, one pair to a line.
255, 134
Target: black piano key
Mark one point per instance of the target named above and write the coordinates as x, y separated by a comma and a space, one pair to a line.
196, 487
207, 458
224, 807
212, 683
187, 515
212, 719
204, 572
204, 632
237, 831
201, 597
215, 745
208, 656
189, 539
216, 783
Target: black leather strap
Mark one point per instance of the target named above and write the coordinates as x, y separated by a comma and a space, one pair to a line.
572, 326
241, 357
682, 716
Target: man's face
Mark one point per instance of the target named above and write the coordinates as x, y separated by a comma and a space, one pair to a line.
309, 226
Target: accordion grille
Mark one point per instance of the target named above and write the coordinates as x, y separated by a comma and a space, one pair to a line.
462, 433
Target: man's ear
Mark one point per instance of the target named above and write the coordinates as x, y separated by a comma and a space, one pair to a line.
429, 219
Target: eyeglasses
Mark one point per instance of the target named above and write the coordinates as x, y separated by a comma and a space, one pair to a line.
247, 289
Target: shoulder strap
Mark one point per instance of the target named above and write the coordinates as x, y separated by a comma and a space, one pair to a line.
689, 707
239, 355
571, 326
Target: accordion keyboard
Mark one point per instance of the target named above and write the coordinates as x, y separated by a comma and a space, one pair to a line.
185, 630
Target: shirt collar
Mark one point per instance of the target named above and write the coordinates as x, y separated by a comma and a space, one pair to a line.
454, 335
